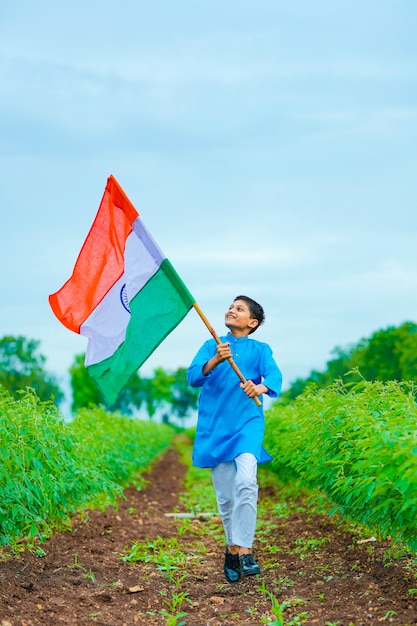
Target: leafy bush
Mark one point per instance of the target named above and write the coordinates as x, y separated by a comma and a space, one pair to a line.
50, 469
358, 445
120, 444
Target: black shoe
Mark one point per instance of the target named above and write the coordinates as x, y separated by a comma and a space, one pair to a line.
248, 565
231, 567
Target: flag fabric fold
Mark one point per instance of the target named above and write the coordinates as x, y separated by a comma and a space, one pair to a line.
123, 295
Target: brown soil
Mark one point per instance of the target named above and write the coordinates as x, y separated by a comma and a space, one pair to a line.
82, 580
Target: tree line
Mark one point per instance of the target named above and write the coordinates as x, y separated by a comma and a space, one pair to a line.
388, 354
166, 392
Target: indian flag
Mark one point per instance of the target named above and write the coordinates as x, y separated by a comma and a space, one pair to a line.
124, 295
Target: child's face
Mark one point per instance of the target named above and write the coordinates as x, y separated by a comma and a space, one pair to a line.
238, 319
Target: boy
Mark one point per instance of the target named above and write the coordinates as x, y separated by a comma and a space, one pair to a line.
230, 427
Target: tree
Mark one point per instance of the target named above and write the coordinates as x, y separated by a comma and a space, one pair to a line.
22, 366
335, 368
165, 391
158, 391
184, 397
388, 354
86, 393
408, 355
171, 393
84, 390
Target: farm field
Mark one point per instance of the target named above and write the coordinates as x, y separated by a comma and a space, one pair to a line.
135, 565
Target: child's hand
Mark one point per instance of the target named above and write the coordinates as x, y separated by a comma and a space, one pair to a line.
223, 352
253, 390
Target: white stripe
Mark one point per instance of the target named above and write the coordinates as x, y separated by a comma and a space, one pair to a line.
106, 326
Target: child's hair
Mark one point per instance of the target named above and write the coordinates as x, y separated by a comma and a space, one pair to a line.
255, 309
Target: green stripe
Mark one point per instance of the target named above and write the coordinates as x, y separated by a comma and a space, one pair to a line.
155, 311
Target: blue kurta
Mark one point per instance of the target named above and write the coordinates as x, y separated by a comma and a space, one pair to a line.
230, 423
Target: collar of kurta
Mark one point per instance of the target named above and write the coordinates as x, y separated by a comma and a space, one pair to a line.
231, 338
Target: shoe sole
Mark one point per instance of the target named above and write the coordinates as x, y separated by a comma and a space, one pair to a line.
244, 574
232, 582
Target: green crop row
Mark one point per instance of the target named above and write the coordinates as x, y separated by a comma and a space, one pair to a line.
357, 445
50, 468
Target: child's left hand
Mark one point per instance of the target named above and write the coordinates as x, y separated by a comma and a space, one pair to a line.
253, 390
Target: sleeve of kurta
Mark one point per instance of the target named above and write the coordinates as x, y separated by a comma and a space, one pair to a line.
271, 374
195, 376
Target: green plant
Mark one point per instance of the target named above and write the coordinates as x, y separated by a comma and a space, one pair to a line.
90, 576
304, 545
50, 468
276, 607
284, 582
354, 444
172, 620
172, 615
321, 597
76, 563
166, 554
177, 600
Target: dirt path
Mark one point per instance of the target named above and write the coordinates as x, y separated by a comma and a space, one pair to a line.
317, 573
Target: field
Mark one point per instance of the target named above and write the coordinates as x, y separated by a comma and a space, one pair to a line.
132, 564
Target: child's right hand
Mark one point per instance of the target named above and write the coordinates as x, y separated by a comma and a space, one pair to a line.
223, 352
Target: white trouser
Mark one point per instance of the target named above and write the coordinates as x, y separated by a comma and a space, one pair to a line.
237, 498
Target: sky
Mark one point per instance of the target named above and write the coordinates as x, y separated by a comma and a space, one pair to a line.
270, 148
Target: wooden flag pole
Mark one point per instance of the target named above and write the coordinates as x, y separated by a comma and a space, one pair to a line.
217, 340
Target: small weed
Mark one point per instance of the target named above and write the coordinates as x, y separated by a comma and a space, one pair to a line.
252, 611
172, 619
395, 552
76, 564
273, 549
321, 597
264, 530
284, 582
304, 546
178, 580
298, 619
183, 527
171, 616
90, 576
389, 614
116, 583
319, 568
40, 552
279, 608
271, 564
177, 600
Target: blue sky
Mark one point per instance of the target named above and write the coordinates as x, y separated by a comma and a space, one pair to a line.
270, 147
